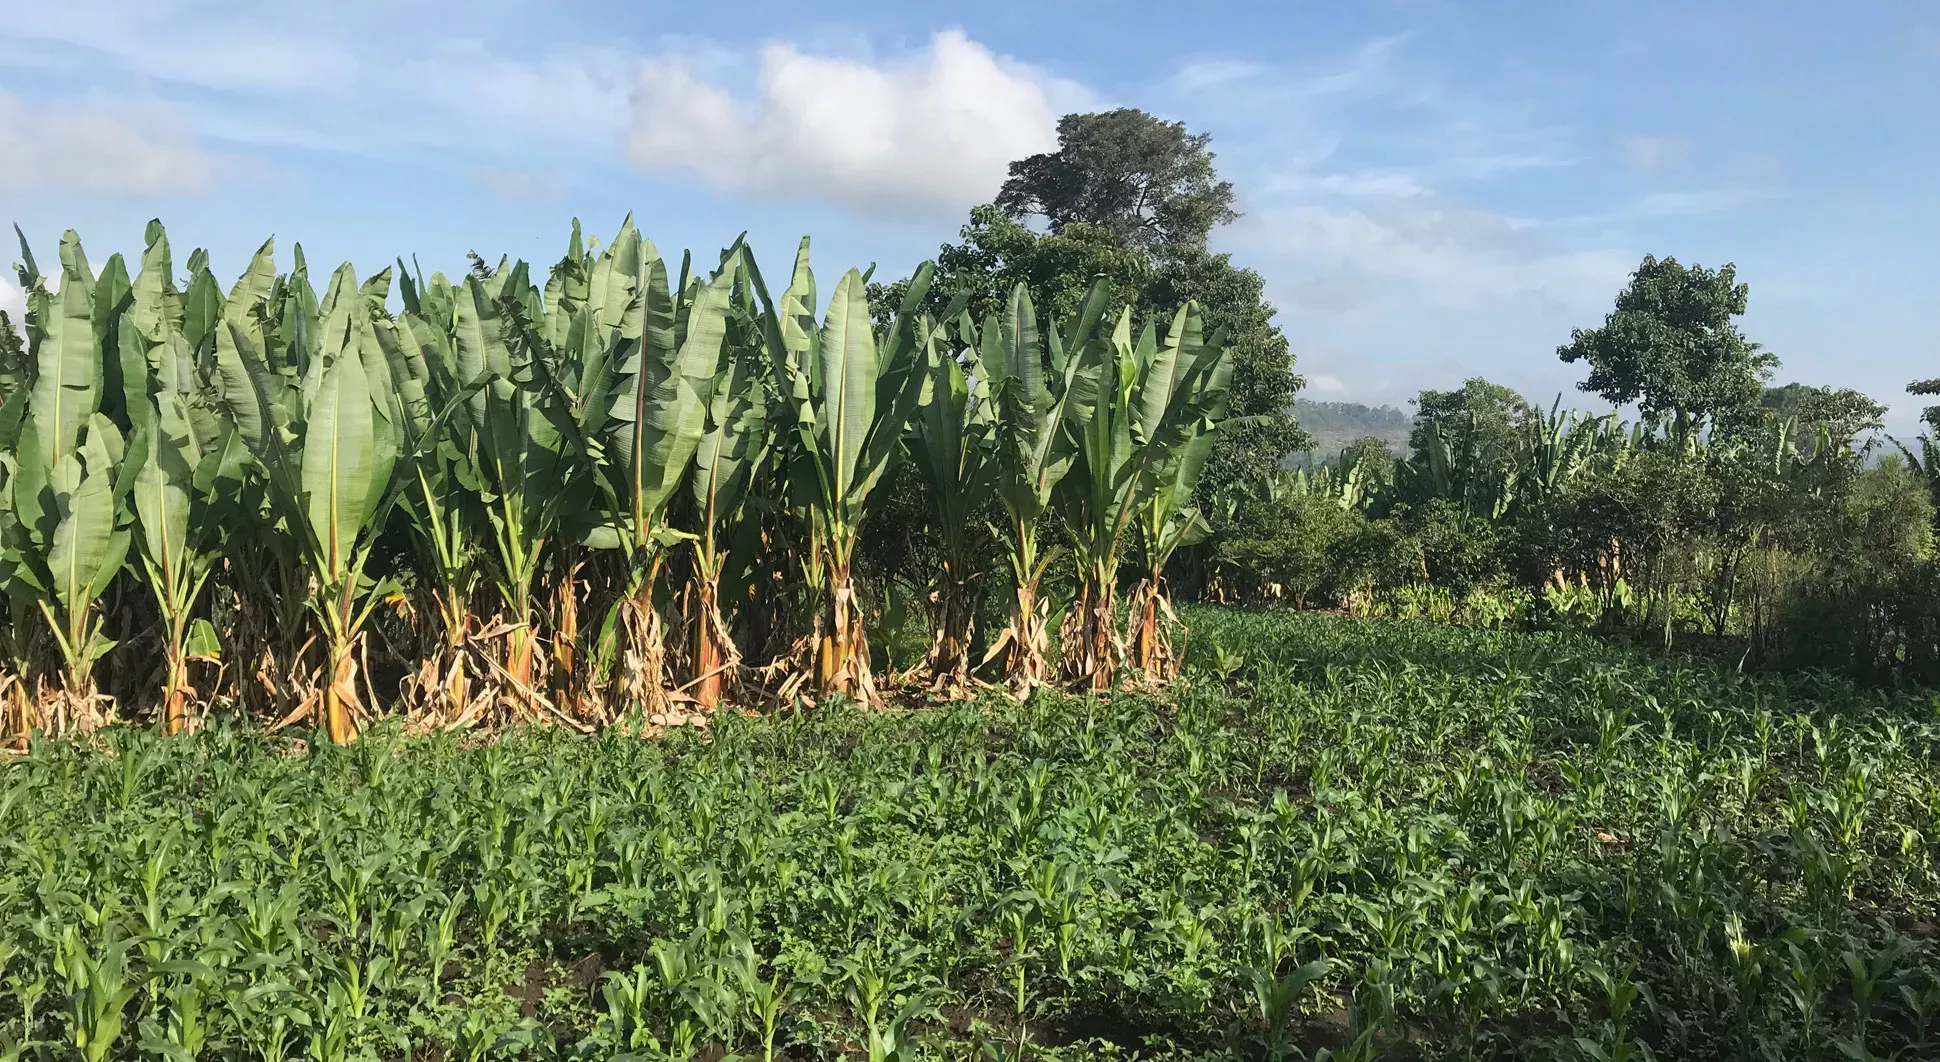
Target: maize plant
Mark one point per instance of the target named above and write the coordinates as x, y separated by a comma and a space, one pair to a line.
1483, 826
1038, 417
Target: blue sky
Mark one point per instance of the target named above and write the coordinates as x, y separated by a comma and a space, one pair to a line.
1432, 190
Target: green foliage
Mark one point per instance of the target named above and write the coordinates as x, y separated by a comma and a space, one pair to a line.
1672, 345
1426, 841
1145, 182
1485, 417
1844, 413
1130, 199
1931, 414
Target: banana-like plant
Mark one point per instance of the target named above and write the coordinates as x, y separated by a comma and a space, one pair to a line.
66, 530
325, 449
1155, 396
187, 453
524, 435
1168, 517
951, 442
1038, 415
732, 448
849, 396
666, 357
441, 494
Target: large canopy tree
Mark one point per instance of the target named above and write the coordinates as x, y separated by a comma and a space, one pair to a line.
1479, 416
1148, 183
1130, 198
1672, 345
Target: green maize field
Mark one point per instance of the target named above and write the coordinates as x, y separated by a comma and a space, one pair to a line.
1331, 839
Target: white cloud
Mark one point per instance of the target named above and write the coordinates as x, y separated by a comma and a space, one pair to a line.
1458, 257
935, 131
1213, 73
1326, 383
94, 147
1370, 183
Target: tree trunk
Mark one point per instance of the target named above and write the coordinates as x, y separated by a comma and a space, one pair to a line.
1030, 641
16, 709
175, 691
565, 638
714, 649
518, 668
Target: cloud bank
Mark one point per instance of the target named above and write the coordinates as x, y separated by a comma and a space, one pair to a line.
933, 132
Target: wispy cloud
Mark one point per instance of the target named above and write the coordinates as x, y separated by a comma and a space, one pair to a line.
98, 146
1372, 206
928, 132
1685, 203
1423, 252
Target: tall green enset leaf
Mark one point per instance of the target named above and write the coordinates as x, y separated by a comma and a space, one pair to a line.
339, 459
847, 357
1040, 418
88, 547
734, 443
659, 407
67, 385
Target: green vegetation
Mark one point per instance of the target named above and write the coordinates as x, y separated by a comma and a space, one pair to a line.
1770, 522
572, 580
1339, 838
458, 483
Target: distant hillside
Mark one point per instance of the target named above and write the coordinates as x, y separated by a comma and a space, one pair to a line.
1336, 424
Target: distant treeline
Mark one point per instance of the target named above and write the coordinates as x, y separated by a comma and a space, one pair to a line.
1334, 426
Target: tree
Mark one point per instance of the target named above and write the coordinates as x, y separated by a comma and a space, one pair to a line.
1147, 182
1264, 382
1148, 245
1480, 416
1931, 414
996, 253
1843, 412
1672, 345
14, 367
